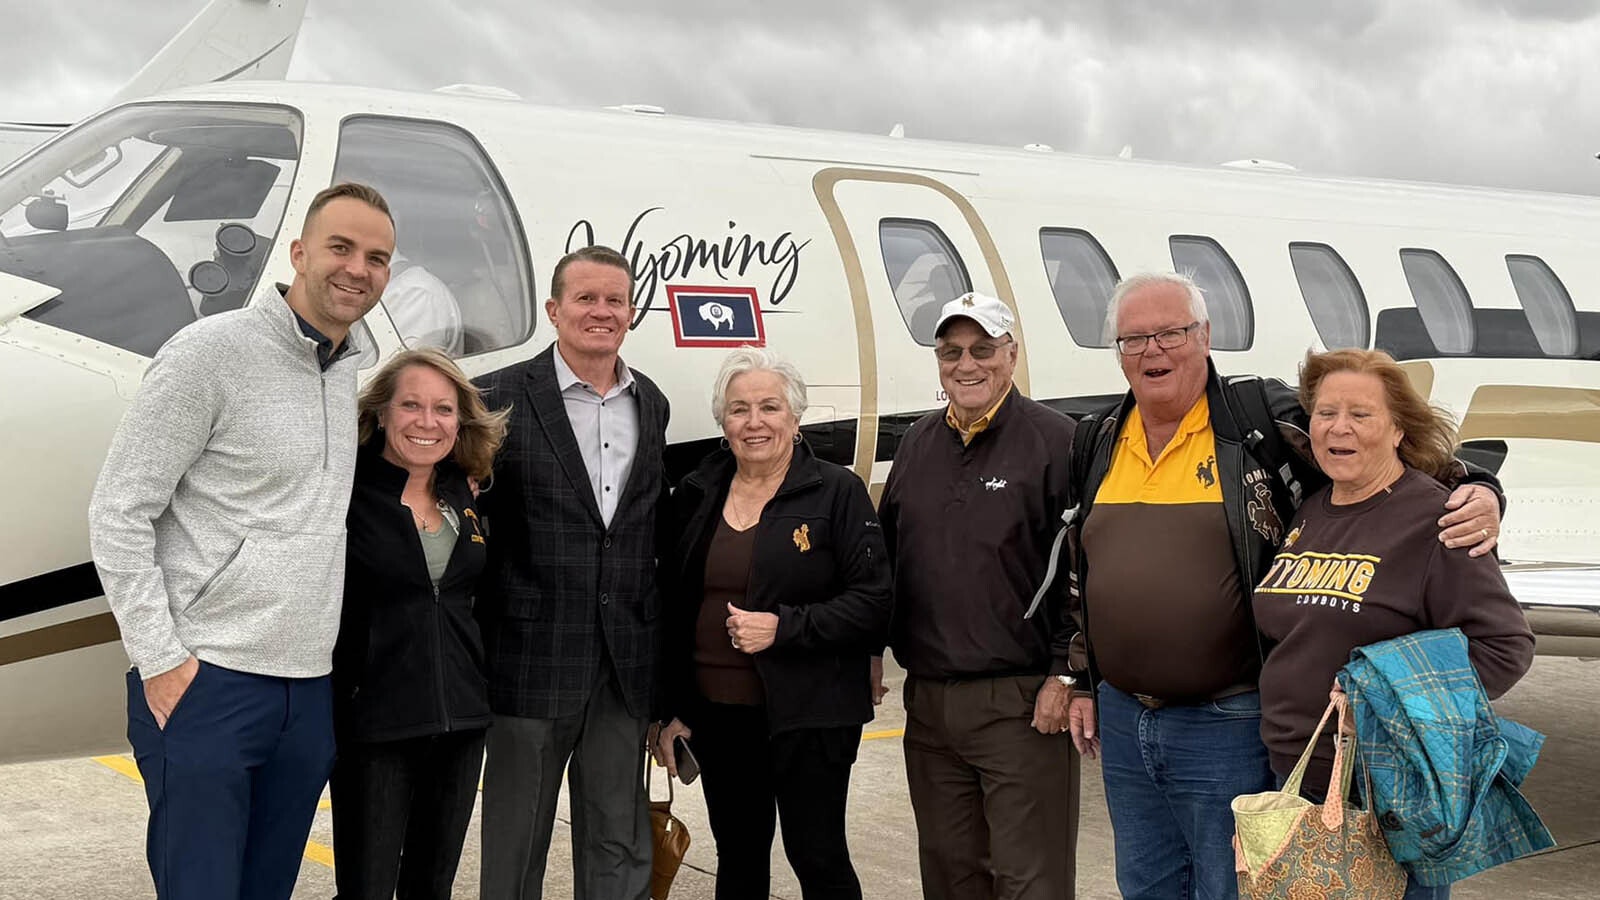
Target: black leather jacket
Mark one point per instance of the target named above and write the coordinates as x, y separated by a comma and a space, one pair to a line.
1257, 502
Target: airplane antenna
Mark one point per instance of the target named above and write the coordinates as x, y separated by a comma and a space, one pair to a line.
1126, 152
898, 131
486, 91
1260, 165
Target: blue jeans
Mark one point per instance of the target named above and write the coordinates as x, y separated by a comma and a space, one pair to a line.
1170, 777
1414, 891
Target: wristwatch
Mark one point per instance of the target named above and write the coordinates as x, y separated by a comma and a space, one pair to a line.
1066, 680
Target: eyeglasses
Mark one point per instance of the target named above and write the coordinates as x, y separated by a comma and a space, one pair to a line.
1171, 339
952, 353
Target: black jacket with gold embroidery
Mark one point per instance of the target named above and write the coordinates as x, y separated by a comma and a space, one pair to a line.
409, 661
819, 563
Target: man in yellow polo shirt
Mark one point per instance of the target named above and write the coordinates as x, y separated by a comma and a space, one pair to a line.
1181, 510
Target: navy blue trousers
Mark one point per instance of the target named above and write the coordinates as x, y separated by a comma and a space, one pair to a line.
233, 782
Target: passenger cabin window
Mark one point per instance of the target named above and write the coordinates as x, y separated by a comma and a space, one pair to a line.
1082, 278
149, 217
925, 272
1332, 294
1227, 297
1441, 299
459, 280
1544, 298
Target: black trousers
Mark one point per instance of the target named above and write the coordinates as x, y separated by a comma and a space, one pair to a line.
400, 815
751, 779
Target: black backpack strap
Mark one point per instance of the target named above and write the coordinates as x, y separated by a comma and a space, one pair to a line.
1084, 441
1247, 398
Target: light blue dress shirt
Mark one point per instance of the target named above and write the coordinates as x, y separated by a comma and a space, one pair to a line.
607, 429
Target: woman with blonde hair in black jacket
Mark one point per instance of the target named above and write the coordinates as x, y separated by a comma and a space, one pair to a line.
410, 701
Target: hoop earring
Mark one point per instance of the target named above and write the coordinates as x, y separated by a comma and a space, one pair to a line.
724, 444
797, 438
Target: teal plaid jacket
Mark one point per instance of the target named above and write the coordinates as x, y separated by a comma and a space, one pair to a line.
1444, 769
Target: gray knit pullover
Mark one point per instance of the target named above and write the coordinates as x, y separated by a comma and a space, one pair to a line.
218, 522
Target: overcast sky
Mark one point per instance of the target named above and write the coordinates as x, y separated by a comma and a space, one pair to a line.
1464, 91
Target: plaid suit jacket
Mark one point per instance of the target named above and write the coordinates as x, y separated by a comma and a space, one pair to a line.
562, 591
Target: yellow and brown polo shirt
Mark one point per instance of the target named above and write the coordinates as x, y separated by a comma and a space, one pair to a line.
983, 422
1166, 615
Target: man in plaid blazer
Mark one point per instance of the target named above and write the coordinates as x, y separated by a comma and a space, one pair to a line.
569, 600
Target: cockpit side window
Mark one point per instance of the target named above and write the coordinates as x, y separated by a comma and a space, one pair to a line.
149, 217
459, 280
924, 270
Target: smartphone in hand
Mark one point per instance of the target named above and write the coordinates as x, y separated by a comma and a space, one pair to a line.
688, 766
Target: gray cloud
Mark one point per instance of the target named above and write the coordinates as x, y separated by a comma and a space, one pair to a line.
1472, 91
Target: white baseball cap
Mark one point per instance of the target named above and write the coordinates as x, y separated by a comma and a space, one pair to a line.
993, 316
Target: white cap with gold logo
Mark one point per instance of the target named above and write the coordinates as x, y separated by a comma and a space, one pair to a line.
993, 316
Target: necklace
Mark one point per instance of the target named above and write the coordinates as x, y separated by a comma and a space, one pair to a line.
742, 520
763, 489
424, 523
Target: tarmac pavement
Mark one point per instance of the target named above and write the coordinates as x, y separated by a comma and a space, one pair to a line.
75, 828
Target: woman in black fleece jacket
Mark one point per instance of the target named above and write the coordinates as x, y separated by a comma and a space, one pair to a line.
410, 701
778, 592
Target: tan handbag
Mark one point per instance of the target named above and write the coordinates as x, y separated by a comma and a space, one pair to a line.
1287, 847
669, 839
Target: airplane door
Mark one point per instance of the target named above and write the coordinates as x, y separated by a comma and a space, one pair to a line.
910, 243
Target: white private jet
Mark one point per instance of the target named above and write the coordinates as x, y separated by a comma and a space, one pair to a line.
225, 41
837, 249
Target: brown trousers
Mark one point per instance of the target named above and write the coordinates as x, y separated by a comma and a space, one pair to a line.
996, 802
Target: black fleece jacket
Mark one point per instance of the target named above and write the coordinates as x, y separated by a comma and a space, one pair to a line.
409, 659
819, 563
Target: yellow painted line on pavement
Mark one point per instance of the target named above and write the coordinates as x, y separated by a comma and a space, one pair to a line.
323, 855
122, 765
319, 854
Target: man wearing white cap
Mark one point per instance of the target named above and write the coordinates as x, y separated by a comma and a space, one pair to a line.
970, 511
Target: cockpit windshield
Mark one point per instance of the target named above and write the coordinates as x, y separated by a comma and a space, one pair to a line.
149, 217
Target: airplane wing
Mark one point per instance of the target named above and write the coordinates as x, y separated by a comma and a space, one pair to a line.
1563, 605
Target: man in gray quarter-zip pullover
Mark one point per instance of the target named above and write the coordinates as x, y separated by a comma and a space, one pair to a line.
218, 529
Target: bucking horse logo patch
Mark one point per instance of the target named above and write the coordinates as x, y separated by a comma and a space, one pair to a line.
1263, 517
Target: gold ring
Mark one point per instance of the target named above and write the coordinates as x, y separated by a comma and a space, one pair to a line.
1486, 534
